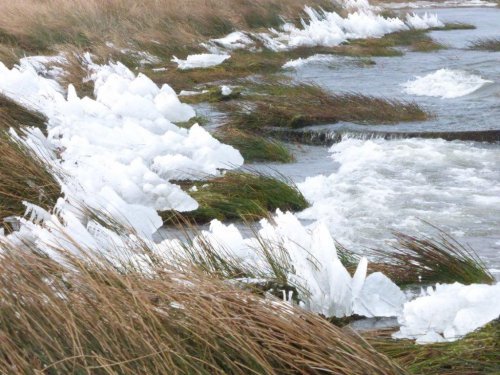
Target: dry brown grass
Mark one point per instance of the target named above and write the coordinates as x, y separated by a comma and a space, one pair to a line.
89, 316
170, 24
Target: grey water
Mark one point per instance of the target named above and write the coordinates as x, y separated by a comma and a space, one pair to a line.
366, 188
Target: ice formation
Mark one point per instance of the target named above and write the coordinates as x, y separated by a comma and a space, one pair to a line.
448, 312
426, 21
328, 29
313, 265
445, 83
121, 149
204, 60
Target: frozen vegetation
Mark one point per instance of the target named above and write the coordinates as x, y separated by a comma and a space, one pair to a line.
119, 152
121, 156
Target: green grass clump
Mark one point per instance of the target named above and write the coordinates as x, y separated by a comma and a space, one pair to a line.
487, 44
415, 40
475, 354
415, 260
253, 147
454, 26
288, 105
238, 195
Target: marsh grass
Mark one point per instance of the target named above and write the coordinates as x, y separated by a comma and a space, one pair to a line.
425, 260
415, 40
41, 27
212, 95
454, 26
238, 195
16, 116
88, 315
475, 354
253, 147
486, 44
23, 177
290, 105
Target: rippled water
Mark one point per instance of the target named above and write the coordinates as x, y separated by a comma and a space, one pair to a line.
363, 189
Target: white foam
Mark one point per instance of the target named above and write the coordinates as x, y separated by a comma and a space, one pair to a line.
448, 312
445, 83
423, 22
384, 185
204, 60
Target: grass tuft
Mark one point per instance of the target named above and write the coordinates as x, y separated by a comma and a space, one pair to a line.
475, 354
15, 116
254, 148
239, 195
487, 44
23, 177
92, 316
415, 260
288, 105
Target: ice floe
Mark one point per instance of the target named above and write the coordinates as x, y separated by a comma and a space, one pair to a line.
120, 149
203, 60
445, 83
448, 312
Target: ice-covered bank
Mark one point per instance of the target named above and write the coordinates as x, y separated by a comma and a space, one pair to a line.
445, 83
120, 150
327, 29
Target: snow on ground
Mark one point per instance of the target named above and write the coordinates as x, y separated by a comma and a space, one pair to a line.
445, 83
448, 312
204, 60
121, 149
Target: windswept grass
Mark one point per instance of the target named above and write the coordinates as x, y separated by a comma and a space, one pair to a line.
475, 354
415, 40
239, 195
88, 316
23, 177
15, 116
423, 259
43, 26
211, 95
486, 44
253, 147
288, 105
454, 26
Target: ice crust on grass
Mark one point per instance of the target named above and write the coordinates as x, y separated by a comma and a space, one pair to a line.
328, 29
449, 311
203, 60
445, 83
120, 150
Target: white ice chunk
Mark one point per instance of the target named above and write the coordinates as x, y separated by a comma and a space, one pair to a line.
204, 60
449, 312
